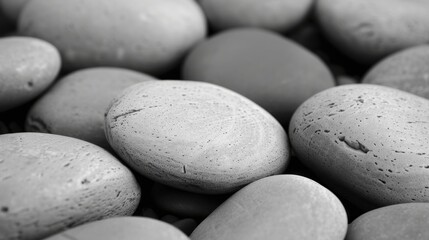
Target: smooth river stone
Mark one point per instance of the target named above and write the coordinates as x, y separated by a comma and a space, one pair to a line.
28, 66
367, 31
274, 15
267, 68
277, 207
151, 36
407, 70
395, 222
368, 143
195, 136
76, 104
49, 183
126, 228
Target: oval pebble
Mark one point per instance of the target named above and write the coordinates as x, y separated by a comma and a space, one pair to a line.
76, 104
369, 143
274, 15
144, 35
182, 203
28, 66
49, 183
195, 136
12, 8
407, 70
267, 68
126, 228
277, 207
396, 222
367, 31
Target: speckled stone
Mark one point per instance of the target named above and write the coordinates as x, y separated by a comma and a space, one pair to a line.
407, 70
367, 31
195, 136
277, 207
127, 228
270, 70
76, 104
28, 66
395, 222
368, 142
144, 35
276, 15
50, 182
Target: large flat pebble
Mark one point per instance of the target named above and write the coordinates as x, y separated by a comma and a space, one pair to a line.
265, 67
49, 183
367, 31
407, 70
124, 228
277, 207
368, 142
144, 35
408, 221
195, 136
28, 66
76, 104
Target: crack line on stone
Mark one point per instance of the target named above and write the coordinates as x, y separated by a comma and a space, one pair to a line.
127, 113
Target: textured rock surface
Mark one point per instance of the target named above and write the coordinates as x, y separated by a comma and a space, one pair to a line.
27, 67
136, 34
195, 136
50, 182
129, 228
369, 142
76, 104
370, 30
274, 15
407, 70
270, 70
277, 207
396, 222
